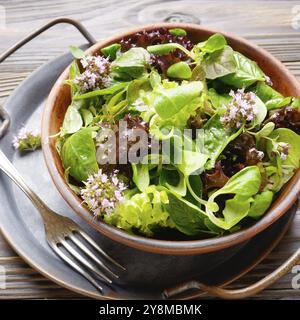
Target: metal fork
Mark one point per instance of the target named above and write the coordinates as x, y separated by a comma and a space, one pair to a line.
62, 231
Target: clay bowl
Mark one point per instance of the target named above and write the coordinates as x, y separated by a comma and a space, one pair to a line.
53, 115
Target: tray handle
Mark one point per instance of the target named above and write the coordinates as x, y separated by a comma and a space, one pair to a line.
3, 114
234, 294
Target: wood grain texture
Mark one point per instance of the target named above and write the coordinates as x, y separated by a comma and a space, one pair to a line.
267, 23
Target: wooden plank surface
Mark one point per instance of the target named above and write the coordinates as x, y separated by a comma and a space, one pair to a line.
268, 23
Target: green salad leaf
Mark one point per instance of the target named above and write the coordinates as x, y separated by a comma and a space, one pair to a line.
143, 212
272, 98
292, 139
102, 92
243, 185
247, 72
79, 155
161, 49
188, 218
178, 32
218, 100
131, 64
214, 43
77, 52
261, 112
219, 63
179, 70
73, 73
261, 203
141, 176
111, 50
216, 138
173, 180
168, 102
87, 116
73, 120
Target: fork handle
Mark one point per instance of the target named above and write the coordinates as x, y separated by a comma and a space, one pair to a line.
7, 167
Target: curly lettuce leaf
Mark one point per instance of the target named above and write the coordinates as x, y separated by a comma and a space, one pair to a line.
143, 212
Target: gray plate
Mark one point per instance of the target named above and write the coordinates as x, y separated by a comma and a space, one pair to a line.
22, 226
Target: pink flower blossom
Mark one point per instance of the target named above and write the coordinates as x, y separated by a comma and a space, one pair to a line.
102, 192
95, 75
240, 110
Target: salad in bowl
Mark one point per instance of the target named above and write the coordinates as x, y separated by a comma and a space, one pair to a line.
165, 137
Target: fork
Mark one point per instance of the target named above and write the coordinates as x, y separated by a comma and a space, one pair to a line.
61, 231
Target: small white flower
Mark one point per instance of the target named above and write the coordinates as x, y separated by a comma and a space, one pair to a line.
95, 75
102, 192
283, 156
118, 195
106, 203
115, 180
26, 140
104, 178
268, 81
240, 110
259, 154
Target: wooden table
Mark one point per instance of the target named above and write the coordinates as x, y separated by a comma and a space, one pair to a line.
271, 24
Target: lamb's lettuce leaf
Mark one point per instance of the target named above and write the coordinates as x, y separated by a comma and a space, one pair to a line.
214, 43
131, 64
188, 218
219, 63
186, 156
218, 100
161, 49
169, 101
272, 98
173, 180
77, 52
261, 112
178, 32
79, 155
216, 138
72, 120
243, 185
141, 176
111, 50
103, 92
261, 203
179, 70
247, 72
290, 137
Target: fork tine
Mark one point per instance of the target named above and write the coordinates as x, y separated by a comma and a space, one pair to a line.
76, 267
94, 244
85, 262
89, 253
